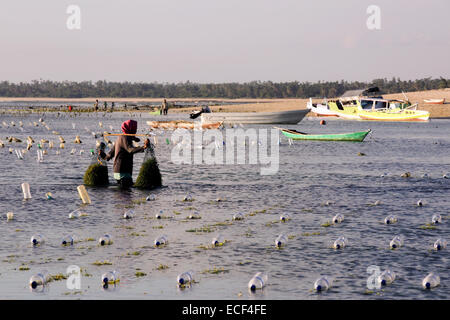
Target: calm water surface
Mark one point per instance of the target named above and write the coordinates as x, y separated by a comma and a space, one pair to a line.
310, 175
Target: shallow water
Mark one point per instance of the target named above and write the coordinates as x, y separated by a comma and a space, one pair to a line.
310, 174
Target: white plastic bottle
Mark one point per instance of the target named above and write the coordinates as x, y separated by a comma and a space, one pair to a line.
285, 217
39, 279
432, 280
440, 244
258, 282
128, 214
340, 243
9, 216
238, 216
322, 284
338, 218
110, 277
396, 242
436, 219
159, 215
420, 203
187, 198
391, 219
386, 277
37, 240
194, 215
185, 278
74, 214
281, 241
67, 241
26, 191
218, 240
105, 240
162, 240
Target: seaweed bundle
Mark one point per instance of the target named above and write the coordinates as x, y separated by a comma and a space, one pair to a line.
97, 173
149, 175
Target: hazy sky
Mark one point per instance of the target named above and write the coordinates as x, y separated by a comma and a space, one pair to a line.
223, 40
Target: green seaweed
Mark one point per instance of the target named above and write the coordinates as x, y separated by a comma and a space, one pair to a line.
96, 175
149, 176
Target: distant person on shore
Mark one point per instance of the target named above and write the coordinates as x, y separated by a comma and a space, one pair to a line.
125, 107
112, 106
105, 106
165, 107
96, 105
123, 152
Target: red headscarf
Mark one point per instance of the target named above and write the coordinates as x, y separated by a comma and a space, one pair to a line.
129, 127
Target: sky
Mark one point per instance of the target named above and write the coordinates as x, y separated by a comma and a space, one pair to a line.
216, 41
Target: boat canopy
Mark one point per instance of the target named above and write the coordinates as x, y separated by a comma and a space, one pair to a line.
372, 91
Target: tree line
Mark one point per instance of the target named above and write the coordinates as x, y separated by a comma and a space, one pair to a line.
254, 89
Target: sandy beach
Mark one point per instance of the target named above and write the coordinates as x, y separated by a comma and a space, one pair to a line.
251, 105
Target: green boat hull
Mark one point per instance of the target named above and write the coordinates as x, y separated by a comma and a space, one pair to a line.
353, 136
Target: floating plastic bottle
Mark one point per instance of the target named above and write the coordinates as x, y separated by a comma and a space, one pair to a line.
446, 176
159, 215
285, 217
40, 279
217, 241
188, 198
185, 278
9, 216
396, 242
238, 216
67, 241
83, 194
420, 203
49, 196
340, 243
110, 277
322, 284
105, 240
386, 277
128, 214
338, 218
150, 197
432, 280
258, 282
162, 240
194, 215
40, 155
440, 244
37, 240
436, 219
281, 241
391, 219
19, 154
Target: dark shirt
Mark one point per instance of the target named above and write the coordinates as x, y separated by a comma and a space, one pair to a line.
123, 151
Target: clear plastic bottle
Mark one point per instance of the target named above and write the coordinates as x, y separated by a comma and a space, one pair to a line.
75, 214
217, 241
150, 197
187, 198
420, 203
340, 243
37, 240
322, 284
391, 219
162, 240
281, 241
26, 191
185, 278
431, 280
386, 277
238, 216
67, 241
9, 216
110, 277
159, 215
338, 218
128, 214
440, 244
285, 217
194, 215
39, 279
258, 282
396, 242
105, 240
436, 219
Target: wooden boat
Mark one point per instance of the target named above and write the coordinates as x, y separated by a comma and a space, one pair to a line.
353, 136
181, 124
283, 117
434, 101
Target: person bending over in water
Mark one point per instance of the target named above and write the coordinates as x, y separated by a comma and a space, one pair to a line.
123, 152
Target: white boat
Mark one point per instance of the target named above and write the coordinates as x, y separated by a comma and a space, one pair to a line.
434, 101
283, 117
321, 110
